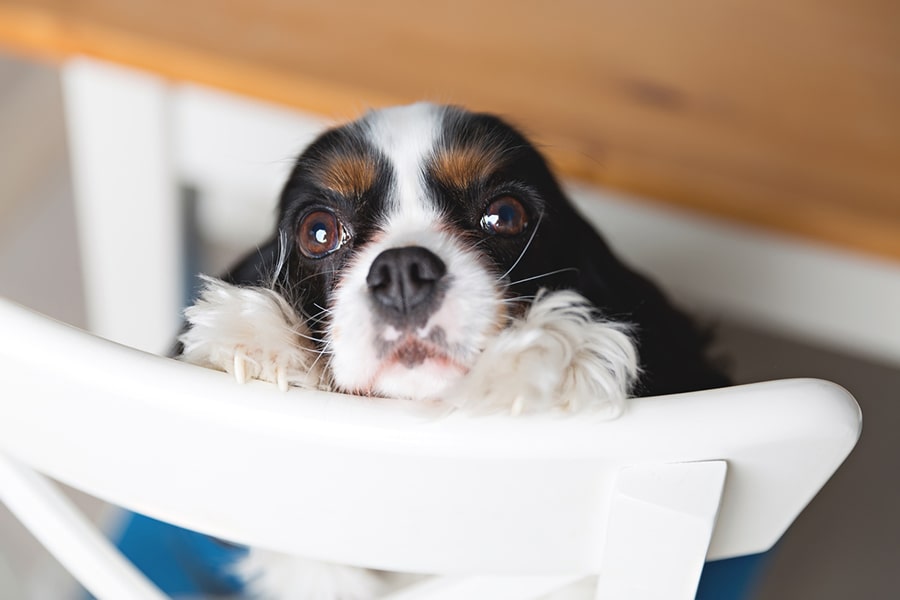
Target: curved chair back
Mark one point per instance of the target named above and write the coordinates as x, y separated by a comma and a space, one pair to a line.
388, 485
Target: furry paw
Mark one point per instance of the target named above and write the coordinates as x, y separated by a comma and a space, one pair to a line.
275, 576
252, 333
558, 355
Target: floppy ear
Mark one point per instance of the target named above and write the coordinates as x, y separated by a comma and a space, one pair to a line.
672, 348
257, 268
566, 252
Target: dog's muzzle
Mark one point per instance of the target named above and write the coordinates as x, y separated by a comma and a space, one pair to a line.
406, 285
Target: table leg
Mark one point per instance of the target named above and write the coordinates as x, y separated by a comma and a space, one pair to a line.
126, 200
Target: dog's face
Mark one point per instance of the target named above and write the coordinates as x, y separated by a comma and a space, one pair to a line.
407, 232
411, 246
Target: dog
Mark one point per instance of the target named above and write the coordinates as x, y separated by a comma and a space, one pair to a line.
426, 252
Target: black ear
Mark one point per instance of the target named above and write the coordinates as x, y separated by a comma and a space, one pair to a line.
671, 346
566, 252
257, 267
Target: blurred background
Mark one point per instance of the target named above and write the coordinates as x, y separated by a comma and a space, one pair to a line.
744, 154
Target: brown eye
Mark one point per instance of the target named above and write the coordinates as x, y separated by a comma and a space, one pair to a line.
320, 233
504, 216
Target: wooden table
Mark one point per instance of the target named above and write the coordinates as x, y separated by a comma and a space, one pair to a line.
779, 114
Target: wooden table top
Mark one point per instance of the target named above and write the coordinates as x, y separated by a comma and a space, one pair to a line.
784, 115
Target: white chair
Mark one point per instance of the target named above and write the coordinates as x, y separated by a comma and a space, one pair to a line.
498, 507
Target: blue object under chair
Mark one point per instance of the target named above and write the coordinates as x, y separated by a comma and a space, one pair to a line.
183, 562
180, 562
733, 578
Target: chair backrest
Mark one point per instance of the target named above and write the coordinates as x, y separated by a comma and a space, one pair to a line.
381, 484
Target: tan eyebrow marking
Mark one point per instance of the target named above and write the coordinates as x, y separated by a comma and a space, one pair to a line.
461, 166
348, 174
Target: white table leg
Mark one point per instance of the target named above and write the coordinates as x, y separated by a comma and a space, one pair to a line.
126, 199
660, 524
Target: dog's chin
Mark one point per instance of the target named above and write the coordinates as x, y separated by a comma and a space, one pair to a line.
415, 370
426, 381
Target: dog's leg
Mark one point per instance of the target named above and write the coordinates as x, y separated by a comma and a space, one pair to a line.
252, 333
558, 355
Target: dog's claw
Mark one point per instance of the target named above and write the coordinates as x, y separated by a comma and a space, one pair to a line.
281, 379
240, 369
517, 406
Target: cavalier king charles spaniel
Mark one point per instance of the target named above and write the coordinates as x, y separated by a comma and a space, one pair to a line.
426, 252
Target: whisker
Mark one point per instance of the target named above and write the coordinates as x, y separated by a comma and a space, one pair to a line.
318, 358
512, 283
525, 249
322, 308
517, 299
310, 338
317, 320
282, 256
480, 242
319, 316
295, 284
316, 351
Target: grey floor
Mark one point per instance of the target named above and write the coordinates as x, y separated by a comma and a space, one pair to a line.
845, 545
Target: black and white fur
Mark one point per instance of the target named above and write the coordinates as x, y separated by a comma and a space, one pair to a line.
449, 267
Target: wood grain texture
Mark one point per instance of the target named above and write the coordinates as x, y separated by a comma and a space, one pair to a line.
784, 115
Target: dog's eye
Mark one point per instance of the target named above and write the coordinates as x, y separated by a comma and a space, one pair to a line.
320, 233
504, 216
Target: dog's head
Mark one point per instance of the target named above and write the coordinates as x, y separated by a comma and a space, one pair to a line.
413, 235
408, 232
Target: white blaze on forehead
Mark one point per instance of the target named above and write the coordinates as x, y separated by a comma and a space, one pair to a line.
471, 309
406, 135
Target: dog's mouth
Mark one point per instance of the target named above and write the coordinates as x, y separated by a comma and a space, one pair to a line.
411, 349
413, 364
412, 353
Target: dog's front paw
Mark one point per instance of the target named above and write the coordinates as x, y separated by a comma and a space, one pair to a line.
558, 356
252, 333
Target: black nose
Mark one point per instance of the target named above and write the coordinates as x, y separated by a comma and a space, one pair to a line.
403, 282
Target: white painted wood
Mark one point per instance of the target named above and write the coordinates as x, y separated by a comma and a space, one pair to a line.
379, 484
70, 536
483, 587
661, 519
799, 289
238, 152
127, 204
